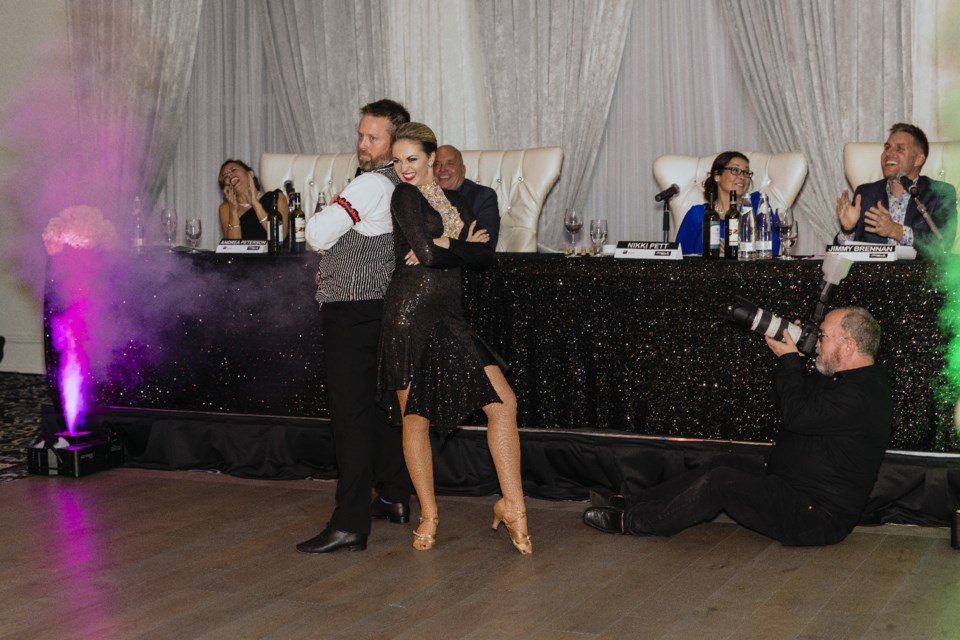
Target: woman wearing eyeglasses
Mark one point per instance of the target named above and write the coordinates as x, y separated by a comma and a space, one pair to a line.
730, 172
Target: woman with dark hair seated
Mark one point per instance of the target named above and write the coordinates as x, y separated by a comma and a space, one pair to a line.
244, 210
730, 172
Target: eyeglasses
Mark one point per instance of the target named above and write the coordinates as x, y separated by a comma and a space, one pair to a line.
737, 171
822, 336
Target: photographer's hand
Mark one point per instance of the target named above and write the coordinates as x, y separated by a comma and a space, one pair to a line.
781, 348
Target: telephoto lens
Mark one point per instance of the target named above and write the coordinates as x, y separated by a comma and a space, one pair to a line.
748, 315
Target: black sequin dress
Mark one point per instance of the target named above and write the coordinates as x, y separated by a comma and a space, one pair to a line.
425, 341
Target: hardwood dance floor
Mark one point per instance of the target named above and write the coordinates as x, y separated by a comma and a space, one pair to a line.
132, 553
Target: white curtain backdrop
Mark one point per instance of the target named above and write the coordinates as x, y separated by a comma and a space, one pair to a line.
853, 82
133, 62
434, 65
936, 68
679, 91
550, 69
230, 113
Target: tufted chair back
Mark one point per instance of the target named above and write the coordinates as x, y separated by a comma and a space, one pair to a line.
522, 179
779, 175
861, 164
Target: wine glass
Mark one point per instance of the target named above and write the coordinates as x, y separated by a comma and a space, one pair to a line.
598, 235
573, 221
168, 221
787, 229
193, 229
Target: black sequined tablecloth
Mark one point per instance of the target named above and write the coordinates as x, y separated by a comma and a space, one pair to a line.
602, 345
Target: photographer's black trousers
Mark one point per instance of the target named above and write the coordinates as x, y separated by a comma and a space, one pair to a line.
763, 503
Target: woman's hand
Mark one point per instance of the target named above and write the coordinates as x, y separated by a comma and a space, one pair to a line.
411, 258
251, 185
442, 241
477, 235
230, 195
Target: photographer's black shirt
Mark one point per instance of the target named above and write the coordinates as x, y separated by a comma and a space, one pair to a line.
835, 431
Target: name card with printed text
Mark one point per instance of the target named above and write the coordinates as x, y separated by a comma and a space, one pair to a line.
242, 246
648, 250
865, 252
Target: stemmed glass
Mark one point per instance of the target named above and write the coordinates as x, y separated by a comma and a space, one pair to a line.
598, 235
573, 221
787, 229
193, 229
168, 220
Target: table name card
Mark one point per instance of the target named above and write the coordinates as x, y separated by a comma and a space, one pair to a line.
242, 246
648, 250
865, 252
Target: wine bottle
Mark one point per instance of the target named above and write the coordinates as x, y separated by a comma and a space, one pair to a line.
274, 226
733, 228
321, 202
711, 231
298, 226
748, 228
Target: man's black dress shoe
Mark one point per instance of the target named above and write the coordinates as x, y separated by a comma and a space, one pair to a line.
330, 540
604, 519
398, 512
615, 500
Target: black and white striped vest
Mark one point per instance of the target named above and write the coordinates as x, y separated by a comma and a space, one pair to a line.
357, 267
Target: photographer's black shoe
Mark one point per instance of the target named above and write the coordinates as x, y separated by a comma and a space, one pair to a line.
604, 519
397, 512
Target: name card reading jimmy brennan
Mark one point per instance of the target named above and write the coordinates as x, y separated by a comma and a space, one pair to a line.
242, 246
865, 252
648, 250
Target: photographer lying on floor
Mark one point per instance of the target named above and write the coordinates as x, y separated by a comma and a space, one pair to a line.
836, 426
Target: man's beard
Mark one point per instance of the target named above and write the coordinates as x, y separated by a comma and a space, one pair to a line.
826, 366
376, 163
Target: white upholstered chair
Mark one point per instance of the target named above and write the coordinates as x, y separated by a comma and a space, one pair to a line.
522, 179
861, 164
779, 175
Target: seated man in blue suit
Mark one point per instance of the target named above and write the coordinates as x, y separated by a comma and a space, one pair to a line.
450, 172
884, 212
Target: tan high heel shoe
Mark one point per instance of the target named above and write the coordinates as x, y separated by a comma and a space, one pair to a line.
425, 540
520, 540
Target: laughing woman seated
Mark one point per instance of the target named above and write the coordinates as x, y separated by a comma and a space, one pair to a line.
245, 207
730, 172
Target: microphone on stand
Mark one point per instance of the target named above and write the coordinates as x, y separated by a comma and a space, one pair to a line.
911, 188
908, 184
664, 197
667, 193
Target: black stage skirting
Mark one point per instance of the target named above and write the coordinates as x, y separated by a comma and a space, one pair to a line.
912, 488
601, 352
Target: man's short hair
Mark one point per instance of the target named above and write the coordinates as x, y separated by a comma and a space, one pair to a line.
389, 109
914, 131
862, 328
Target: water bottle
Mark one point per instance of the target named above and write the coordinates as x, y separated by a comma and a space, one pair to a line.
748, 227
763, 243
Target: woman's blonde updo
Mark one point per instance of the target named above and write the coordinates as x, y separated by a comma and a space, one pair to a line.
419, 133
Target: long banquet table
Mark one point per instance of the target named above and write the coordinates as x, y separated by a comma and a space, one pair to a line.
593, 344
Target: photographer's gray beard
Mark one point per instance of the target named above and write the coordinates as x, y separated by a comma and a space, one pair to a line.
826, 366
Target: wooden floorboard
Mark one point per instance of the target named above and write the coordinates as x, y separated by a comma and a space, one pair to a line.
133, 553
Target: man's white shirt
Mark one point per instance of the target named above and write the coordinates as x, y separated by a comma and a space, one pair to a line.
364, 205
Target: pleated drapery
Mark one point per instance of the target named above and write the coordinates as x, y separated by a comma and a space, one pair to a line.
822, 73
550, 70
132, 64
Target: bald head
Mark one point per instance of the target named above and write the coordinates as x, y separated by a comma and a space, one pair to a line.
448, 167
